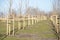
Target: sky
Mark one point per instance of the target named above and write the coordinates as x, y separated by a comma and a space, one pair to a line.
43, 5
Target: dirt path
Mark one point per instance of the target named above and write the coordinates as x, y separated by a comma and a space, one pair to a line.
32, 36
40, 34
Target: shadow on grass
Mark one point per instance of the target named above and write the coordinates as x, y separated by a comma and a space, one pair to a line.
54, 30
2, 36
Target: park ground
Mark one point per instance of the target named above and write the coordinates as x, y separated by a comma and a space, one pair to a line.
39, 31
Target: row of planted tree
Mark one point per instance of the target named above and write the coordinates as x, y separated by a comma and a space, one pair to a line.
21, 22
55, 19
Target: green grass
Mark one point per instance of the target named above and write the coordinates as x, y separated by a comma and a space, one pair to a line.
39, 29
2, 27
11, 38
42, 29
14, 38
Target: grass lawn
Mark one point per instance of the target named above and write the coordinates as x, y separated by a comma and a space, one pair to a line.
41, 29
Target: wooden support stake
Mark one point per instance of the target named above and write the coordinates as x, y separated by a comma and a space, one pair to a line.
18, 25
13, 26
7, 26
9, 29
57, 24
32, 21
24, 23
29, 21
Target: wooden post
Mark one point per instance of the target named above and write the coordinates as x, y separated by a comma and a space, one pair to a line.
29, 21
19, 24
9, 29
32, 21
35, 19
57, 21
7, 24
23, 23
13, 25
